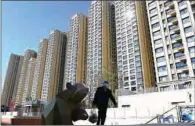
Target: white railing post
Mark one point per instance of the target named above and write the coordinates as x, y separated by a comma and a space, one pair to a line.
136, 113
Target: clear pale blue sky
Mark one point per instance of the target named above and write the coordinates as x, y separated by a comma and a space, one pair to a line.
25, 23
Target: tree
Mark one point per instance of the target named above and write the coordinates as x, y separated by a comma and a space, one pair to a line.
110, 76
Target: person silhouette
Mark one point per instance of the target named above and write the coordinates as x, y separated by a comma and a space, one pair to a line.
102, 95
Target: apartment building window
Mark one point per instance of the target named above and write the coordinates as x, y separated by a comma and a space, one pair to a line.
183, 11
132, 71
130, 55
171, 66
160, 59
177, 45
180, 65
154, 18
172, 27
192, 49
162, 68
131, 66
188, 29
193, 60
155, 25
159, 50
138, 69
163, 78
179, 55
132, 77
139, 80
133, 83
130, 45
190, 39
166, 38
126, 84
130, 50
186, 20
156, 33
126, 78
125, 62
153, 10
125, 67
171, 19
151, 3
181, 3
131, 60
124, 57
163, 21
174, 36
173, 76
182, 75
133, 88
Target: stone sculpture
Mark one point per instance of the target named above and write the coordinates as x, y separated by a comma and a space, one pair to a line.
66, 106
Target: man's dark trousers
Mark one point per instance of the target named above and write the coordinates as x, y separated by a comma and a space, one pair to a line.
101, 116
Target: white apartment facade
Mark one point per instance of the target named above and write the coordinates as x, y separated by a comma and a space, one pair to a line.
100, 33
172, 30
72, 49
77, 31
94, 52
128, 46
39, 69
54, 66
29, 80
27, 56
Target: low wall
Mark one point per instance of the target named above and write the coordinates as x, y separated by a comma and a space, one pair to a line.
26, 121
144, 107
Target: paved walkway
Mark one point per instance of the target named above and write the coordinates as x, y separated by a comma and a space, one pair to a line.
178, 124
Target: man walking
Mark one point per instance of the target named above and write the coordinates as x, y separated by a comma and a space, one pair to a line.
102, 95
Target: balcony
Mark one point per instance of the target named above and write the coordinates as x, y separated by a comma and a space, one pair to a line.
174, 28
168, 4
177, 30
171, 11
180, 49
192, 3
183, 59
179, 39
180, 57
193, 9
175, 37
184, 77
174, 21
171, 5
177, 45
185, 70
171, 19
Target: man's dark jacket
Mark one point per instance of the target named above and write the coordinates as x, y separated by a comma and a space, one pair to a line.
102, 96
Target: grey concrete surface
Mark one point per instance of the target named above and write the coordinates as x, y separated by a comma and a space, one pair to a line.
176, 124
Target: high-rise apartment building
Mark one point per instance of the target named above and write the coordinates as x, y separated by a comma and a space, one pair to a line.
12, 78
54, 66
134, 51
75, 70
172, 30
28, 80
101, 47
27, 56
39, 69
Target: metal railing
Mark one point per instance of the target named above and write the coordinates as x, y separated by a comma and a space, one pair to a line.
174, 28
157, 117
170, 11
